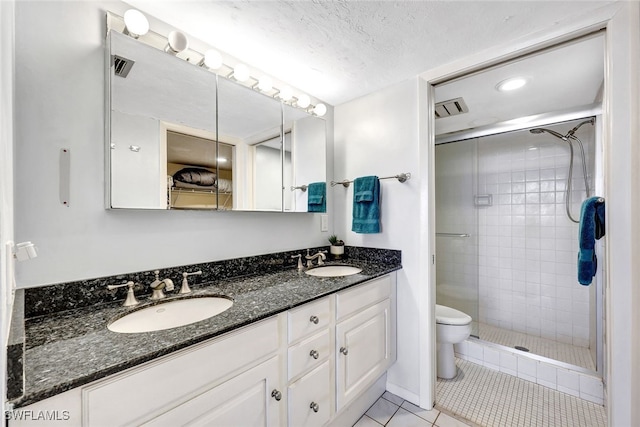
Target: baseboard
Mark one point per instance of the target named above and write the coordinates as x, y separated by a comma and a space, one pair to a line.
404, 393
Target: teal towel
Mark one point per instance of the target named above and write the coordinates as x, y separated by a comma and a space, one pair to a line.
591, 228
366, 205
317, 198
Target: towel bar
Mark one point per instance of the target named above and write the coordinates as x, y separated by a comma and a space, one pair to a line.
402, 177
301, 187
453, 235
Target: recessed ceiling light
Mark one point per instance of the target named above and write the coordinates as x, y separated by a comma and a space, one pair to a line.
511, 84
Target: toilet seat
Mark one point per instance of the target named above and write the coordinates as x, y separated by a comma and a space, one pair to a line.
450, 316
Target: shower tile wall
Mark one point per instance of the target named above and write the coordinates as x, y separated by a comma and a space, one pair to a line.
527, 245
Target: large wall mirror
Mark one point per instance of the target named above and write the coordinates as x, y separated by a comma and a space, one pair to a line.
181, 137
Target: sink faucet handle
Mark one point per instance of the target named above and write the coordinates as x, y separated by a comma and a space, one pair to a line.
131, 297
185, 283
299, 256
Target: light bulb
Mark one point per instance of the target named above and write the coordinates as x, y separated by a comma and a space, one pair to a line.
511, 84
320, 110
303, 101
241, 72
265, 84
177, 42
136, 24
212, 59
285, 93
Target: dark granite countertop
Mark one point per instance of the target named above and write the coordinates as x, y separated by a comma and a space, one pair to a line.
74, 347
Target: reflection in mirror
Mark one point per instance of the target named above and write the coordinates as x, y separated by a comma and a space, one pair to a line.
151, 91
305, 141
194, 173
251, 122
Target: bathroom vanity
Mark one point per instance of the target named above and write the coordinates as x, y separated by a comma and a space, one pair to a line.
293, 349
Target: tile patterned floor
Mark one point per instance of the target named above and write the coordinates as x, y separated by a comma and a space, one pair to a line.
479, 396
574, 355
492, 399
393, 411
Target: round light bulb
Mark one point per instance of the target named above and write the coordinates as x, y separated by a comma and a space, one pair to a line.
285, 93
320, 110
303, 101
177, 42
511, 84
136, 23
265, 84
241, 72
212, 59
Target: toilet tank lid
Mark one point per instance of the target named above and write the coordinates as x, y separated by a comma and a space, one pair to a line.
451, 316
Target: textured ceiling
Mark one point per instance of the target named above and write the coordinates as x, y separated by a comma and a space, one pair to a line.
340, 50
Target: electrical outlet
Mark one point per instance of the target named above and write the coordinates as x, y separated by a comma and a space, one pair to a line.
324, 222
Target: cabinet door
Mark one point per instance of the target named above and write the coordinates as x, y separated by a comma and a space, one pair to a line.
363, 350
245, 400
309, 404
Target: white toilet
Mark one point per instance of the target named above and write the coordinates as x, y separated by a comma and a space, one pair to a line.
452, 327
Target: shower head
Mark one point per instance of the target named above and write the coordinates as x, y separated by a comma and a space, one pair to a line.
572, 131
552, 132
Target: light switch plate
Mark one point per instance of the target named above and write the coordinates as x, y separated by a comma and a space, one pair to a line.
324, 222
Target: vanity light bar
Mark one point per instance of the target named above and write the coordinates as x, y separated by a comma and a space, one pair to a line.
177, 44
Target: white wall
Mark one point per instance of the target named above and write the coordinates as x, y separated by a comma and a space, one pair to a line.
378, 135
6, 184
60, 103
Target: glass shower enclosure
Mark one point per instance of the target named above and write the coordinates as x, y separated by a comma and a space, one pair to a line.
506, 249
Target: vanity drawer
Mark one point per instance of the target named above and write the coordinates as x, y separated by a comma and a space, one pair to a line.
359, 297
309, 392
309, 318
301, 355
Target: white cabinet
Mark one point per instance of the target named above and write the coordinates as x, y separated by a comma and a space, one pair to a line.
303, 367
310, 355
365, 337
310, 398
248, 399
145, 392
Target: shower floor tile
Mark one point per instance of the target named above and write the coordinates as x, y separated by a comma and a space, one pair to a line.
490, 398
567, 353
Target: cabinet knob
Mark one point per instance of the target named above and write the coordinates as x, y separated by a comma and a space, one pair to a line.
314, 354
344, 350
314, 406
314, 319
276, 395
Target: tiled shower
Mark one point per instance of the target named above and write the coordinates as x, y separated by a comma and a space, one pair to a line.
506, 250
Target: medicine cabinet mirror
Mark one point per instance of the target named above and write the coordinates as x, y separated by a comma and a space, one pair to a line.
180, 137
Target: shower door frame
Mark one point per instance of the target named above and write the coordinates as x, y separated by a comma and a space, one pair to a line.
621, 99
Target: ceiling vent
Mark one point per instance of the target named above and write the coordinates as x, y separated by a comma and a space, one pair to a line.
452, 107
122, 66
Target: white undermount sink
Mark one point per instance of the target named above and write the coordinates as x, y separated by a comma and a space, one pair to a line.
170, 314
333, 271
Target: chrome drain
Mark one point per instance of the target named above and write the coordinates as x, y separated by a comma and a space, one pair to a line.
519, 347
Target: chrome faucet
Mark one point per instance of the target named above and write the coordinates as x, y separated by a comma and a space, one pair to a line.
158, 285
320, 255
299, 256
131, 298
185, 283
